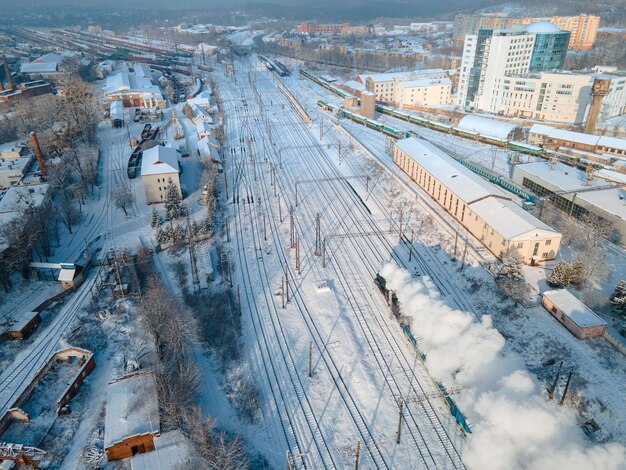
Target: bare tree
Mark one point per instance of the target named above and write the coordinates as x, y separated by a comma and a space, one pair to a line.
123, 197
61, 182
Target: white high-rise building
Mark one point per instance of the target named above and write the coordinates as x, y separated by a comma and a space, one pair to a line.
493, 54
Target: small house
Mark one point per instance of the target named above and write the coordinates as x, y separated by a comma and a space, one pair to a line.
132, 416
579, 319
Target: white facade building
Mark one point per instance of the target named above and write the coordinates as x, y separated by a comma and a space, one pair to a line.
430, 87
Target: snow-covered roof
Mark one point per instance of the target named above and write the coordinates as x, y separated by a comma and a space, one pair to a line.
409, 75
561, 177
204, 127
173, 451
612, 142
14, 147
353, 84
460, 180
66, 275
48, 63
422, 82
117, 110
208, 149
132, 408
159, 160
507, 218
488, 127
562, 134
22, 320
542, 27
201, 99
19, 198
126, 81
577, 311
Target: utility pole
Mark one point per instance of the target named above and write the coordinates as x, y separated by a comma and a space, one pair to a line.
569, 379
318, 235
464, 253
286, 284
399, 423
358, 455
310, 358
339, 153
324, 253
556, 379
456, 240
264, 228
292, 227
282, 290
411, 246
298, 254
400, 227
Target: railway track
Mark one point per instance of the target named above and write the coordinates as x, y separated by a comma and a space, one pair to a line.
287, 261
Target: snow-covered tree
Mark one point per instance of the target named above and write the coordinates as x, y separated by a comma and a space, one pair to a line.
560, 275
618, 299
155, 219
578, 272
161, 235
169, 232
512, 265
179, 233
173, 204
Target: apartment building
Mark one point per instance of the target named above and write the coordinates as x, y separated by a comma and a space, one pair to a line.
485, 211
496, 54
430, 87
583, 28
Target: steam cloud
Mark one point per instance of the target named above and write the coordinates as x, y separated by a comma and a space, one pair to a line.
513, 426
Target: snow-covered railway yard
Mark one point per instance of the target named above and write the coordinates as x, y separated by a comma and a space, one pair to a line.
362, 366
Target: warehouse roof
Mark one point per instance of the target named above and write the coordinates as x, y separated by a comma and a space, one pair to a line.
132, 408
463, 182
507, 218
159, 160
131, 81
18, 198
421, 82
561, 177
488, 127
562, 134
577, 311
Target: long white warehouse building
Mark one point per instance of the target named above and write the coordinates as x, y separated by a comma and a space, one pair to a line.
485, 211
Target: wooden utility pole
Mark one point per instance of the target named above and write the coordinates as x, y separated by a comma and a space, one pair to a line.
358, 455
318, 236
399, 423
569, 379
286, 284
292, 229
464, 253
264, 228
298, 254
411, 245
556, 379
321, 128
310, 358
400, 227
239, 295
456, 241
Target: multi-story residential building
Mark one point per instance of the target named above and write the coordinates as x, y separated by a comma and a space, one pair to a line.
343, 29
548, 96
583, 28
493, 54
430, 87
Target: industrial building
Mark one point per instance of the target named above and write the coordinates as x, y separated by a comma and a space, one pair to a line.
583, 28
496, 54
159, 167
574, 192
558, 139
133, 87
579, 319
484, 210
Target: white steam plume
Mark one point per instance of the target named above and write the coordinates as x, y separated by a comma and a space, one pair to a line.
513, 426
